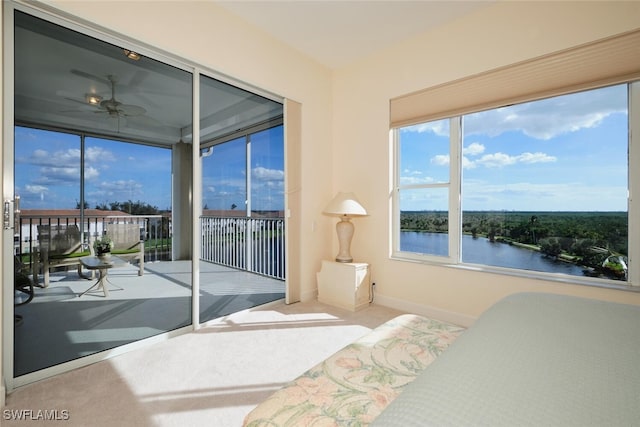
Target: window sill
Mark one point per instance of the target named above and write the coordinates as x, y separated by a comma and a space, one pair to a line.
525, 274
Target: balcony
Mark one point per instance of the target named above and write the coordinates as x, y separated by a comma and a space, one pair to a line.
241, 266
254, 245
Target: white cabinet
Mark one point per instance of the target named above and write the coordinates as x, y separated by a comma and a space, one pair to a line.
344, 285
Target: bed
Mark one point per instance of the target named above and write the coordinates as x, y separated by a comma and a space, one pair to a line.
355, 384
532, 359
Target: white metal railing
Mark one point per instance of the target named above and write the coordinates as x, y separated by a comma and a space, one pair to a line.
154, 230
252, 244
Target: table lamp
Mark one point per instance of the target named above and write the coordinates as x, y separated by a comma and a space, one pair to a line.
345, 205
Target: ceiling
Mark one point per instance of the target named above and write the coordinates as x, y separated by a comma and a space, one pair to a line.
338, 32
58, 70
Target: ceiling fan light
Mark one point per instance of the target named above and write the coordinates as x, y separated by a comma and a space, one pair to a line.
131, 54
93, 99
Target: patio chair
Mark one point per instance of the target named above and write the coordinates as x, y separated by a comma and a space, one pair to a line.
61, 246
22, 287
127, 243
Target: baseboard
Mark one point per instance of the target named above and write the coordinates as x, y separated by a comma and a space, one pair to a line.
311, 295
425, 310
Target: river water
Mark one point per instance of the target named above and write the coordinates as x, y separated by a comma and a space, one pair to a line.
481, 251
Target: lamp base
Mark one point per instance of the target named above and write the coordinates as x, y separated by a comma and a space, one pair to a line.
345, 229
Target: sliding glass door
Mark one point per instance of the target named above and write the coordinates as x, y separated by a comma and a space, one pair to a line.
242, 220
100, 149
96, 130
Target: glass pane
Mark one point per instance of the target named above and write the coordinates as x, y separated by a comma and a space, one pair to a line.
424, 153
424, 221
134, 179
545, 185
242, 243
47, 172
224, 179
128, 121
267, 172
267, 202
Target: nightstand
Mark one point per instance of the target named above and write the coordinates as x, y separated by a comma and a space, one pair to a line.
344, 284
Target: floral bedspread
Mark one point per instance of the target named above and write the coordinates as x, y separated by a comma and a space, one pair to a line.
354, 385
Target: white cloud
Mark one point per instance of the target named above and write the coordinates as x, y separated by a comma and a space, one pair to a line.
412, 177
70, 157
473, 149
91, 173
527, 196
98, 155
542, 119
501, 159
413, 180
267, 174
440, 159
536, 158
467, 164
494, 160
36, 189
119, 190
411, 172
548, 118
52, 174
440, 127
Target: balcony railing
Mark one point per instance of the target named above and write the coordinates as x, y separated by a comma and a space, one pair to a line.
252, 244
155, 231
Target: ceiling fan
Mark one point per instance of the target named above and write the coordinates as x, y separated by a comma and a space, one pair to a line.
112, 107
117, 108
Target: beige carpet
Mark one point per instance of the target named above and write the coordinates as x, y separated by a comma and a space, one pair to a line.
212, 377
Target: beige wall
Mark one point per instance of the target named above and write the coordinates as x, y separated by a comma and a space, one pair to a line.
501, 34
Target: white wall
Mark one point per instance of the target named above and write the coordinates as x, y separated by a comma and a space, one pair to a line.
498, 35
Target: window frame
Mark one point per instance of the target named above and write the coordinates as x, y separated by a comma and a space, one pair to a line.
455, 204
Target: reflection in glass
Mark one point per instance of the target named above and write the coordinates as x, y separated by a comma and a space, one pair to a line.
242, 222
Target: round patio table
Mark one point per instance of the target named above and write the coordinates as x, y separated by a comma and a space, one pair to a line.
102, 264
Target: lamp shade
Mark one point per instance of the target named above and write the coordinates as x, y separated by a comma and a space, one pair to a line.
345, 204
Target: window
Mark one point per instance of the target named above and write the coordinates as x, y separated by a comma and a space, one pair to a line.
540, 186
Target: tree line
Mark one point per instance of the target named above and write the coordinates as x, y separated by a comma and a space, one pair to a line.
587, 237
129, 206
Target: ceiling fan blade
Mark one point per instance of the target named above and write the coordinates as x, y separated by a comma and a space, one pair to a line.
130, 110
83, 102
91, 77
76, 111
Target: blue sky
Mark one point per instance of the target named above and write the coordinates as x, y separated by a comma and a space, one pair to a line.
567, 153
224, 173
47, 172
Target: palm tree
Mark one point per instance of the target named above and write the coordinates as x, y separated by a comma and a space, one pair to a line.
533, 221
